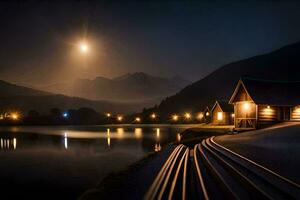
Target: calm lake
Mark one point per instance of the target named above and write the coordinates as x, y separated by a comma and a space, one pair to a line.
64, 161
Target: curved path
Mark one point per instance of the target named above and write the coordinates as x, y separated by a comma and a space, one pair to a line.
219, 168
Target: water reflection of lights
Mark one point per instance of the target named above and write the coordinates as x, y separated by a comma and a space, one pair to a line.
157, 132
8, 143
66, 141
178, 137
120, 132
138, 133
157, 147
108, 137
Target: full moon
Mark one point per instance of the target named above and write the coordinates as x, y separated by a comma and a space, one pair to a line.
83, 48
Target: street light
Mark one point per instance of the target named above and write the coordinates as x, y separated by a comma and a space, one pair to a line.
175, 117
15, 116
108, 115
137, 119
120, 118
187, 116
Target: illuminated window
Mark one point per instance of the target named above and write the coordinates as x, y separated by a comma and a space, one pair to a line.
220, 116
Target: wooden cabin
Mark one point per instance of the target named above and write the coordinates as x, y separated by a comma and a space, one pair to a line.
222, 113
262, 102
205, 115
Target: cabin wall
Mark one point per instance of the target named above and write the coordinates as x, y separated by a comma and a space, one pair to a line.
226, 117
268, 114
245, 114
295, 113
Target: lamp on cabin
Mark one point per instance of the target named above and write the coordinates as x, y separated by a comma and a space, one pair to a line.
246, 106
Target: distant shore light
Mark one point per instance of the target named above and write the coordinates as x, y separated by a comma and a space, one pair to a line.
153, 115
108, 115
119, 118
15, 116
187, 116
137, 119
175, 117
65, 114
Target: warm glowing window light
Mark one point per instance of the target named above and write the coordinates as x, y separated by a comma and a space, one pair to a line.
297, 109
207, 114
232, 115
220, 116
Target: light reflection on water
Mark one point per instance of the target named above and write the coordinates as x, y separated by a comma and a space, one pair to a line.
8, 143
85, 153
74, 137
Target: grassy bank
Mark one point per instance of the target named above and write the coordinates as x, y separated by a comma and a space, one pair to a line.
193, 136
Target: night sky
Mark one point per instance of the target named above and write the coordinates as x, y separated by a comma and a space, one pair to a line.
39, 39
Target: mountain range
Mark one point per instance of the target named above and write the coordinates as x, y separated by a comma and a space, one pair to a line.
132, 87
19, 98
281, 64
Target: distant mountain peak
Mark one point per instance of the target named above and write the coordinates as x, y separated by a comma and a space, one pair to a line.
128, 87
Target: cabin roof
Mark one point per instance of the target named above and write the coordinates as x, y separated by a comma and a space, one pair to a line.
280, 93
224, 105
206, 109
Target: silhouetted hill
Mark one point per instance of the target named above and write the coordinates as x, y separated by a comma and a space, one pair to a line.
9, 89
14, 97
282, 64
135, 87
